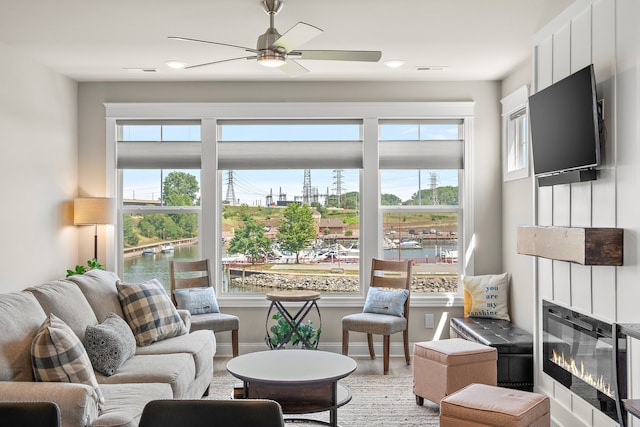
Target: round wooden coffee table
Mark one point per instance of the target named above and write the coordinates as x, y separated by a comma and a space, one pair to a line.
301, 381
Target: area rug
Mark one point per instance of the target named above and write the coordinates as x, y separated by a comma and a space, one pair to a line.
378, 400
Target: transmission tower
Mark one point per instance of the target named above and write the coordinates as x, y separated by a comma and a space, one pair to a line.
433, 186
306, 187
231, 194
337, 185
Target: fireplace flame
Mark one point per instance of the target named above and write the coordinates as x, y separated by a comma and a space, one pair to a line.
570, 365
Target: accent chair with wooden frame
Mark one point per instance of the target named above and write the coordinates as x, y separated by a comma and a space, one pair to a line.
197, 274
395, 275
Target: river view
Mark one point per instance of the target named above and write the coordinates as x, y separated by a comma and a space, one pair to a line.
145, 267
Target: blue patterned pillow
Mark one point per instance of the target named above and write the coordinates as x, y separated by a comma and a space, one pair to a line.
386, 301
197, 300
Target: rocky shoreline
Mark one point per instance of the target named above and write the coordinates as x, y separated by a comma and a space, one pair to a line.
337, 283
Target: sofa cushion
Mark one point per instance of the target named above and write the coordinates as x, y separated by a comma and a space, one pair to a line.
58, 356
58, 296
201, 345
177, 370
99, 288
125, 402
20, 319
109, 344
149, 311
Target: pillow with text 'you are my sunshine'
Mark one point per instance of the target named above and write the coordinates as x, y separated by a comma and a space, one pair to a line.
486, 296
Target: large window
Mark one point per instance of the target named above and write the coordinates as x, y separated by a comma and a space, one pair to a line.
159, 207
305, 200
421, 207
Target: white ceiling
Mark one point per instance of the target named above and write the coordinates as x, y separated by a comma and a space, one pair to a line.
97, 40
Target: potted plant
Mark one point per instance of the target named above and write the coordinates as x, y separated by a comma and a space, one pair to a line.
81, 269
281, 329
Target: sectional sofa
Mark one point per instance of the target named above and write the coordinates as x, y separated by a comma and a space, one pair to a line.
180, 367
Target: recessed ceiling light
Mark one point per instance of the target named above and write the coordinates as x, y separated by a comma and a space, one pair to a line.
394, 63
176, 65
431, 68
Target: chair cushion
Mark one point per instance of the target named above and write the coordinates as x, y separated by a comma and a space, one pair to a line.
486, 296
58, 356
197, 300
216, 322
149, 311
374, 323
109, 344
385, 301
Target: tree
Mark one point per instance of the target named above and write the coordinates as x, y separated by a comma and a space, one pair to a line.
447, 196
298, 228
130, 237
390, 200
250, 240
180, 189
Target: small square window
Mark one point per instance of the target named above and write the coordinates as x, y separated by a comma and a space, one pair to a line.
515, 128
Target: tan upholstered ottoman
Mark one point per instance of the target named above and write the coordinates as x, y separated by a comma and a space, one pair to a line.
442, 367
482, 405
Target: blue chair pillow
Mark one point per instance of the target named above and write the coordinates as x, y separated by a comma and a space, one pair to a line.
386, 301
197, 300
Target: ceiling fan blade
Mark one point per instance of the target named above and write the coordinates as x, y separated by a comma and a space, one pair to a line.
248, 49
338, 55
292, 68
297, 35
218, 62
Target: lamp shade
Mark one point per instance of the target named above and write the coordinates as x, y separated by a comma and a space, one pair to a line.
94, 210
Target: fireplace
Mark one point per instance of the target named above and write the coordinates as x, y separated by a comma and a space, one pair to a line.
577, 352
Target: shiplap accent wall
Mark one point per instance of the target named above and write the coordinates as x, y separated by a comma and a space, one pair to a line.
601, 32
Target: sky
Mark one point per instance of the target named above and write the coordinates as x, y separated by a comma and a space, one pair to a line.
252, 186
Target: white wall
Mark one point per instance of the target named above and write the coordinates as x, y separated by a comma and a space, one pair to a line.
602, 32
38, 163
486, 149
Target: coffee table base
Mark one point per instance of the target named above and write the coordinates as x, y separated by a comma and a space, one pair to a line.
303, 400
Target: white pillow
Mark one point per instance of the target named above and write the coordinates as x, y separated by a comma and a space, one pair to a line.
486, 296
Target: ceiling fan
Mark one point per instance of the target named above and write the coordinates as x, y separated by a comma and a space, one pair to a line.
279, 51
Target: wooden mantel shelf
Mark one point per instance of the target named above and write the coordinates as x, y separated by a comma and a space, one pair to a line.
586, 246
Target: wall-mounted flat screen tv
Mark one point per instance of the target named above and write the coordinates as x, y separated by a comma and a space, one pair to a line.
564, 125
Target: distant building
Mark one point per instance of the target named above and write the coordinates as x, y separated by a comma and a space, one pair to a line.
331, 226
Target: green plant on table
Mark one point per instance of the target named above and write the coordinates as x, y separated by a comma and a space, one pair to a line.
81, 269
281, 329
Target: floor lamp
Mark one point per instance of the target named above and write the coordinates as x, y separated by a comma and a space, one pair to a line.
94, 211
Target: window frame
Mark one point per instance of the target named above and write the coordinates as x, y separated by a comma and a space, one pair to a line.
514, 103
371, 215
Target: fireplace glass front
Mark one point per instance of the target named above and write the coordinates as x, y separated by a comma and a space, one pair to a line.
577, 352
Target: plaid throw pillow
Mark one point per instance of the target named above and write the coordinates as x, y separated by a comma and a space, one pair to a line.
57, 355
149, 312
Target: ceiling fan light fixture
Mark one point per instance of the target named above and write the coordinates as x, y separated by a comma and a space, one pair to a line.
175, 64
272, 59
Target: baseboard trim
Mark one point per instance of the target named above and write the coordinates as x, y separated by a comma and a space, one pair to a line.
356, 349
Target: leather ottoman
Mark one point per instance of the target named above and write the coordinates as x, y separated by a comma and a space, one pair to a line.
481, 405
442, 367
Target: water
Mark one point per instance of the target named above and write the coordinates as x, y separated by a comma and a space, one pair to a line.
146, 267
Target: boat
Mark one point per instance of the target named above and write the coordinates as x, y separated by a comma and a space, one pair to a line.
149, 251
410, 244
167, 247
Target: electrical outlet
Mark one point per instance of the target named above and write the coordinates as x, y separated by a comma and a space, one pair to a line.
429, 321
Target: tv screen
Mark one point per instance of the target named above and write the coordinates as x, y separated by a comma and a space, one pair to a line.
564, 125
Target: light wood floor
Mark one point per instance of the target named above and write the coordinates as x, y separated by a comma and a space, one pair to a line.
366, 366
